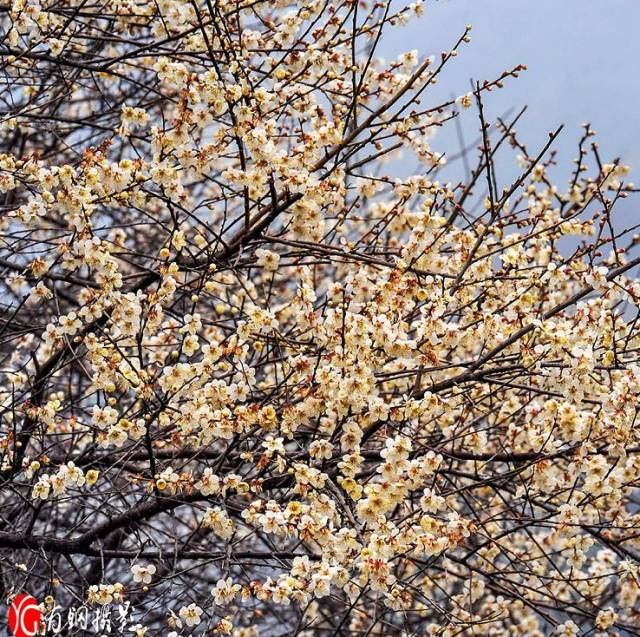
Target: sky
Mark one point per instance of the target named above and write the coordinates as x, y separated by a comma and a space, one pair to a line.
582, 67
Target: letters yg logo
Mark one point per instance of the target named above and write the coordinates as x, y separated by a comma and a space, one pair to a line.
24, 616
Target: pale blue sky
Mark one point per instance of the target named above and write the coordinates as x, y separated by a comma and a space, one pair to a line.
582, 57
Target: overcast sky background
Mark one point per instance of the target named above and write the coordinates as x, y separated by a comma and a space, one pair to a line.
582, 58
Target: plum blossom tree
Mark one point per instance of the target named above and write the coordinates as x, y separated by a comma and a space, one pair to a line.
258, 381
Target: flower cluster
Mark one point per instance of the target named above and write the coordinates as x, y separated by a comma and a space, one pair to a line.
267, 382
